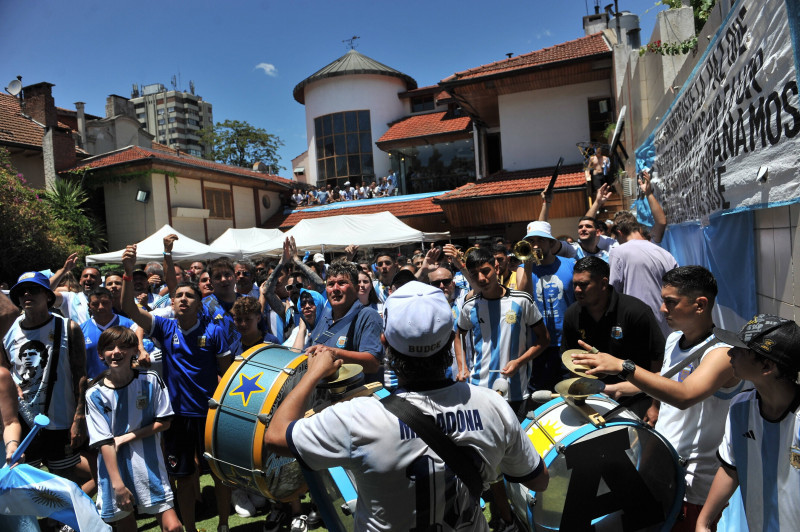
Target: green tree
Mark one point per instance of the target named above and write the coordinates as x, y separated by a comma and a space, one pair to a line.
67, 201
241, 144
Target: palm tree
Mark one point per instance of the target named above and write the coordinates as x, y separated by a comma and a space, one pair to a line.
67, 200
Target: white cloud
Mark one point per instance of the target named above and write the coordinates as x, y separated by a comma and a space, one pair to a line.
268, 69
545, 33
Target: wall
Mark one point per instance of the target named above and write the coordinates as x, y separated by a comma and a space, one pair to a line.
562, 112
244, 207
31, 165
778, 261
187, 193
351, 93
127, 220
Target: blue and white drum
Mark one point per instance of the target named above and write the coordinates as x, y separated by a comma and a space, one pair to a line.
619, 476
239, 414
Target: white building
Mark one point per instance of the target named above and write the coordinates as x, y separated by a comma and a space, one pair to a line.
173, 117
349, 105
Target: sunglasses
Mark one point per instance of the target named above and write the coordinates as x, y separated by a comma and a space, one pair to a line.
295, 286
307, 302
441, 282
243, 274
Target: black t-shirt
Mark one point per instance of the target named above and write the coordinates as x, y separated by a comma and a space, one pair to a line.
627, 330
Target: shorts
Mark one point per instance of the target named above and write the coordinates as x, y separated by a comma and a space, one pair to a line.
183, 441
52, 448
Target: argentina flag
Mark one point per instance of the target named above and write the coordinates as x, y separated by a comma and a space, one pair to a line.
27, 491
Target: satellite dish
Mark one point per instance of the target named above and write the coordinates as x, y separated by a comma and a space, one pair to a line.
14, 87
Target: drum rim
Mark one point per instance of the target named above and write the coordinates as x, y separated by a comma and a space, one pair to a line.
588, 428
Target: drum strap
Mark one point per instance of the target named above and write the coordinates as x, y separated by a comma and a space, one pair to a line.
671, 372
454, 456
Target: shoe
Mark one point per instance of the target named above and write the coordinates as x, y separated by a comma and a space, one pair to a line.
503, 526
274, 521
299, 523
241, 504
222, 528
314, 519
259, 501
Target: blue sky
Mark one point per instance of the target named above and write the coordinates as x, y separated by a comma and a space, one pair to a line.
92, 48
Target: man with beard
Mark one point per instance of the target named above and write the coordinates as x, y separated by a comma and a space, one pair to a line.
75, 305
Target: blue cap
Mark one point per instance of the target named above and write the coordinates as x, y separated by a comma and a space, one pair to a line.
31, 278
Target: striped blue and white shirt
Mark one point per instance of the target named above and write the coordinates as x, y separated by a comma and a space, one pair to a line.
500, 331
113, 412
766, 455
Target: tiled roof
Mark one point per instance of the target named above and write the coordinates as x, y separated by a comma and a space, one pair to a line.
425, 126
401, 209
16, 128
588, 46
135, 153
519, 182
351, 63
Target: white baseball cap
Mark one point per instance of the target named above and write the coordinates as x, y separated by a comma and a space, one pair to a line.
319, 257
418, 320
538, 228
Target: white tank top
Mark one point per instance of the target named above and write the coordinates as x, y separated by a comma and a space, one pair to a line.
697, 431
30, 352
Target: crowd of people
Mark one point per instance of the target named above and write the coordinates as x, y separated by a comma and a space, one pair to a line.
324, 195
124, 364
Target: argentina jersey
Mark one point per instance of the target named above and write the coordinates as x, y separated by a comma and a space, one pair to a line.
766, 455
113, 412
220, 316
499, 331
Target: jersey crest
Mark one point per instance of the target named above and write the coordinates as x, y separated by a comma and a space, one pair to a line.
341, 342
511, 317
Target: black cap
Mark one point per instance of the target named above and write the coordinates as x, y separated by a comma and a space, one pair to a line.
772, 337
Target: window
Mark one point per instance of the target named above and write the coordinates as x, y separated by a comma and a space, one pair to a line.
344, 147
161, 122
160, 111
171, 109
191, 122
422, 103
172, 120
219, 203
600, 116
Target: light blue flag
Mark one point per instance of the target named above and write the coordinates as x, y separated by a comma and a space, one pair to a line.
27, 491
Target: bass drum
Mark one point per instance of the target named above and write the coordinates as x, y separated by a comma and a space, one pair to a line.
620, 476
238, 416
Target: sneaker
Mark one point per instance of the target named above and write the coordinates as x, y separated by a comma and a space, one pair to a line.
241, 503
314, 519
503, 526
299, 523
259, 501
274, 521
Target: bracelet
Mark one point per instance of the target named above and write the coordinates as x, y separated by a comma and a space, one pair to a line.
11, 441
167, 253
127, 278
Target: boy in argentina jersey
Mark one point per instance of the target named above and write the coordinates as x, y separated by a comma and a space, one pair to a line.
402, 483
126, 410
761, 448
497, 325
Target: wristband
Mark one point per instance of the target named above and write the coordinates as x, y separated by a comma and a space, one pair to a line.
167, 253
11, 441
127, 278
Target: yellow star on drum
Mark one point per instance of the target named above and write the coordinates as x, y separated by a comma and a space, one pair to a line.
247, 386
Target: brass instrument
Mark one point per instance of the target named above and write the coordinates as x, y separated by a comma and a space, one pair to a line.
462, 256
525, 252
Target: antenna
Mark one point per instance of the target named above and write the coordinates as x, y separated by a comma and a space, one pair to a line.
135, 91
351, 42
174, 83
15, 86
191, 86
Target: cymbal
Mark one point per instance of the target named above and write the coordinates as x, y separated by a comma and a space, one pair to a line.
577, 369
579, 387
346, 374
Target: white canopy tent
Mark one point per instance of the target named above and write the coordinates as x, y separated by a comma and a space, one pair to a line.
246, 243
334, 233
152, 249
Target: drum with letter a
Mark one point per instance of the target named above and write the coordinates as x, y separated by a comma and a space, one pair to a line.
614, 474
238, 416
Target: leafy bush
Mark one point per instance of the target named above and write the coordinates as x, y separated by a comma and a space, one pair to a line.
33, 236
